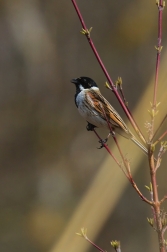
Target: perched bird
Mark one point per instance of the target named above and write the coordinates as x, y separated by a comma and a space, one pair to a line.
97, 111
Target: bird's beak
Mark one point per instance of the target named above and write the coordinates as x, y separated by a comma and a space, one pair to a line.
74, 81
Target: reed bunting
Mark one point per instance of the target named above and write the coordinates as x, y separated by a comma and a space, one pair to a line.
97, 111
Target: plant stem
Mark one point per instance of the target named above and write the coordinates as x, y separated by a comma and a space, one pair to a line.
97, 247
160, 10
106, 147
165, 117
159, 49
156, 202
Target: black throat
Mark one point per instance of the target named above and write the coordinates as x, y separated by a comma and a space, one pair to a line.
77, 92
75, 97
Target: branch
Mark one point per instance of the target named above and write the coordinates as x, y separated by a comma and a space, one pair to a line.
165, 117
160, 4
139, 192
106, 147
153, 169
84, 235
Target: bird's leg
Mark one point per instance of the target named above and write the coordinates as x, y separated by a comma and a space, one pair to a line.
111, 133
106, 139
103, 141
109, 126
90, 127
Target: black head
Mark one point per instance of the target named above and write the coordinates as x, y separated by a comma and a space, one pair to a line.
83, 83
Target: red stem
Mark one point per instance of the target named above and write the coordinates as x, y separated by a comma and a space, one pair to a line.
160, 8
156, 204
160, 126
106, 147
101, 250
164, 134
138, 191
153, 169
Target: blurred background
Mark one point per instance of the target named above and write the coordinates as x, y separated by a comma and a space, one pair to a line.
53, 179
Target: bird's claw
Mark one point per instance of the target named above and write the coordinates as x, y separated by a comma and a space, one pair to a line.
102, 142
90, 127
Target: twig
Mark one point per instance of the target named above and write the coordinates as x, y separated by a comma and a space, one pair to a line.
139, 192
106, 147
84, 235
159, 126
113, 135
163, 199
161, 137
97, 247
153, 169
160, 4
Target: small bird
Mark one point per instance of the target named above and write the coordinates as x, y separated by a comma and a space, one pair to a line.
98, 112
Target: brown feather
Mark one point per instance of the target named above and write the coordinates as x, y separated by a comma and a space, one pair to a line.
101, 106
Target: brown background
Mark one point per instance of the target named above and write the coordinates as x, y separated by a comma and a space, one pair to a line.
47, 158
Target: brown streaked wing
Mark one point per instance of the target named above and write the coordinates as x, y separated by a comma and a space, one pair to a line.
111, 113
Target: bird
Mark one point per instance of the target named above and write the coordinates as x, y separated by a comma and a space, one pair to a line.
98, 112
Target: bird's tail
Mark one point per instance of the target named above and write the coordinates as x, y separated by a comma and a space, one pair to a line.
141, 146
129, 135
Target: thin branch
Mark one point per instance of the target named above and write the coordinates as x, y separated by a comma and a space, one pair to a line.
106, 147
164, 230
113, 135
84, 235
156, 202
153, 169
160, 4
163, 199
161, 137
159, 126
109, 151
97, 247
139, 192
158, 163
119, 85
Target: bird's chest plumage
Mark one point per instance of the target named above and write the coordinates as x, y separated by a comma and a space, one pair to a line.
82, 104
79, 99
85, 107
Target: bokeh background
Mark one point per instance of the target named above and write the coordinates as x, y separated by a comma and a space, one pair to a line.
53, 179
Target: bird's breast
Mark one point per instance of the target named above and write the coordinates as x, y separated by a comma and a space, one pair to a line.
88, 112
79, 99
